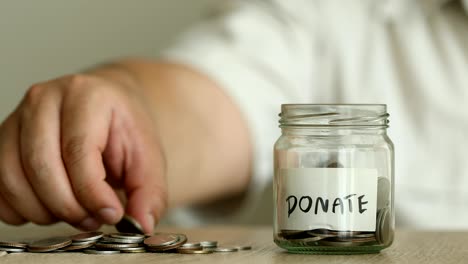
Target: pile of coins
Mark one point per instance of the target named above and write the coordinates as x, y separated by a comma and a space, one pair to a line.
123, 241
325, 237
114, 243
335, 238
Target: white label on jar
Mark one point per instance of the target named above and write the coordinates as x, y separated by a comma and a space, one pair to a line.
342, 199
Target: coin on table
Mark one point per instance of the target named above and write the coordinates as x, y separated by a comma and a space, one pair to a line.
101, 252
49, 244
133, 250
128, 224
78, 246
192, 245
13, 244
88, 236
132, 236
128, 240
225, 249
12, 250
100, 245
166, 246
161, 239
244, 247
199, 251
383, 192
209, 244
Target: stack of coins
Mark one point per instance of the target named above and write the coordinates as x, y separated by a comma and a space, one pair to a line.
13, 247
383, 231
122, 242
325, 237
336, 238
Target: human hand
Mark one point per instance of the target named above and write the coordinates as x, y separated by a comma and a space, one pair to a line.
70, 144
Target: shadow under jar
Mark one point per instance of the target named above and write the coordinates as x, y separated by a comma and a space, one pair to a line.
334, 175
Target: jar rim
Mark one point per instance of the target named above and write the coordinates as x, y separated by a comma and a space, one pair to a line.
334, 115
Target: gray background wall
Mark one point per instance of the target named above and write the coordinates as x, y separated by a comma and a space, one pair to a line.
40, 40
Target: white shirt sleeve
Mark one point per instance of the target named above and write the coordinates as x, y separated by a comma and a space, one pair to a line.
260, 54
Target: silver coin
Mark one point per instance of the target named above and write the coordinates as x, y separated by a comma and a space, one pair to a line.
244, 247
209, 244
200, 251
49, 244
383, 192
347, 233
133, 250
378, 232
128, 240
12, 250
364, 235
129, 224
191, 245
161, 239
81, 243
307, 239
85, 237
320, 234
100, 245
127, 236
78, 245
225, 249
181, 239
385, 225
13, 244
101, 252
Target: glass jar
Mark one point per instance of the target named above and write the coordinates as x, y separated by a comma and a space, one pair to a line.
334, 174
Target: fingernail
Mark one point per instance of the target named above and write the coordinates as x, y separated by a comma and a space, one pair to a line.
150, 220
89, 224
108, 215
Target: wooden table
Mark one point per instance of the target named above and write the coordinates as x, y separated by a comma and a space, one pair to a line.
409, 247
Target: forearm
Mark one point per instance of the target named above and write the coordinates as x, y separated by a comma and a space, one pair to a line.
202, 133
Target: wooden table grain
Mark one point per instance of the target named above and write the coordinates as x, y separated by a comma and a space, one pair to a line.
409, 247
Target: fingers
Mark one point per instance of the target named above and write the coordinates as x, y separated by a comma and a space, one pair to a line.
42, 160
51, 158
146, 204
15, 189
9, 215
84, 131
145, 184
